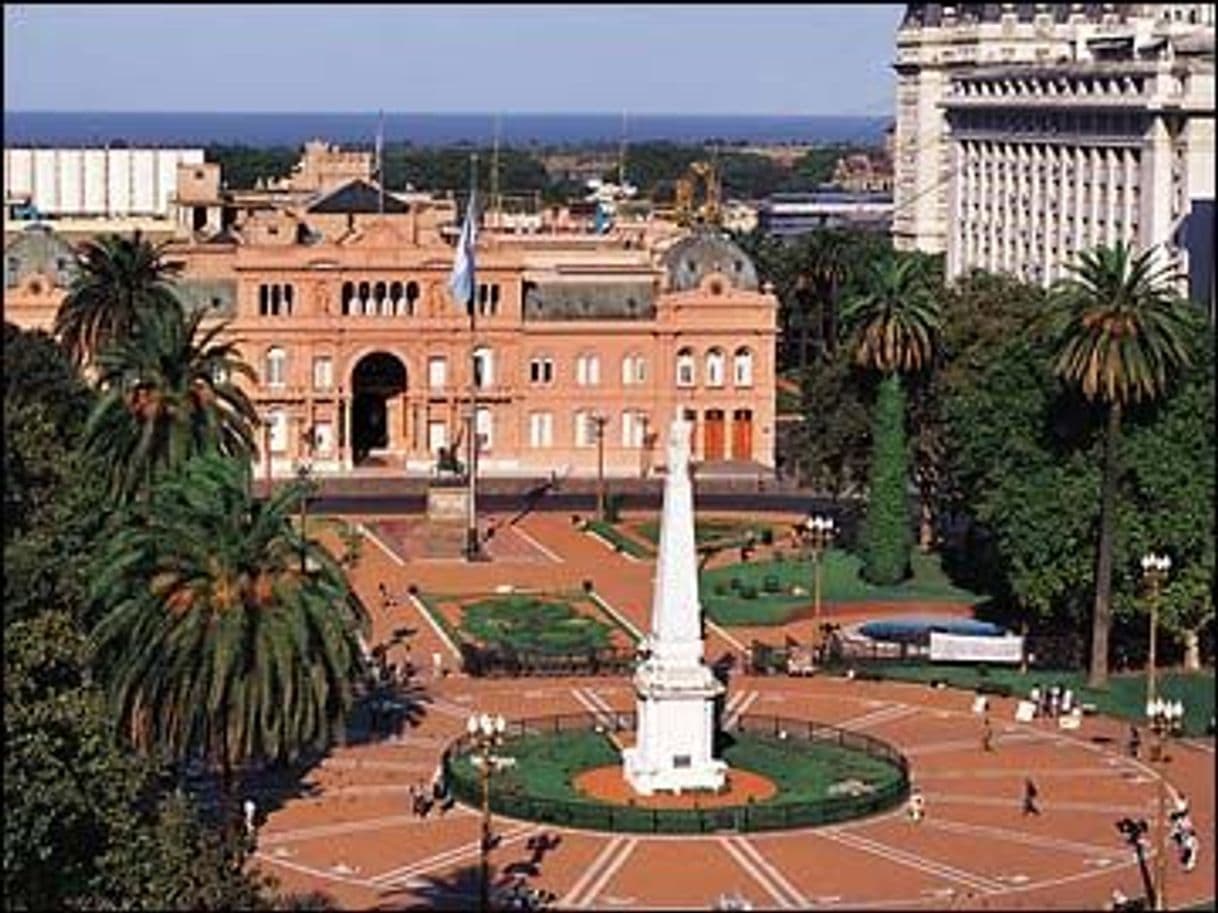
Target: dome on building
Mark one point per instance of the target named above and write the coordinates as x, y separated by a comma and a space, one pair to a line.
698, 255
38, 250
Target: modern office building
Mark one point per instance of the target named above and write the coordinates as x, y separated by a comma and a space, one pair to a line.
792, 214
937, 41
336, 293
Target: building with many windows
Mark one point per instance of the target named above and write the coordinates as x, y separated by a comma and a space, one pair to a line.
939, 41
337, 295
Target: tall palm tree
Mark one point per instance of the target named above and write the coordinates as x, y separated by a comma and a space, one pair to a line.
214, 643
1119, 332
895, 318
116, 278
169, 393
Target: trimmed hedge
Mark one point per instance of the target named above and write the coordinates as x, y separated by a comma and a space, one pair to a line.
887, 538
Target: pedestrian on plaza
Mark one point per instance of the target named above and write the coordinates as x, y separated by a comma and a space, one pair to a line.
1067, 701
414, 800
1029, 797
1190, 847
987, 735
1054, 698
1135, 741
1034, 698
251, 816
917, 805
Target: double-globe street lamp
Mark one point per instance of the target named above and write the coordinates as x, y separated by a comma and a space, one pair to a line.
815, 534
1154, 571
1166, 719
486, 734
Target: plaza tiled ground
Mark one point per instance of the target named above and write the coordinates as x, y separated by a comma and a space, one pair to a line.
354, 838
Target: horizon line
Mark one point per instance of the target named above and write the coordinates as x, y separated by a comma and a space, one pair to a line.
488, 113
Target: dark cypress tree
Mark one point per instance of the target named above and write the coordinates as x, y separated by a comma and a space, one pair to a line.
887, 536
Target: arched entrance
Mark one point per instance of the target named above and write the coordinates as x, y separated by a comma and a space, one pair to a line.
377, 385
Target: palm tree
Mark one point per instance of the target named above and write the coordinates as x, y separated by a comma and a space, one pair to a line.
895, 318
214, 644
1119, 332
168, 394
116, 279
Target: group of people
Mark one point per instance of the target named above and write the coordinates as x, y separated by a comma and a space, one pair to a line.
1052, 702
424, 798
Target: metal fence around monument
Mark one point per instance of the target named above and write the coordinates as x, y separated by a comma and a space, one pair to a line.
754, 816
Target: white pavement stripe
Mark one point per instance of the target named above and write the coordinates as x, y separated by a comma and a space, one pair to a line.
531, 540
728, 637
615, 614
925, 775
770, 869
732, 701
351, 827
611, 868
883, 715
599, 701
440, 632
590, 873
449, 856
892, 854
1014, 802
367, 531
311, 872
1001, 833
957, 744
757, 875
597, 713
740, 709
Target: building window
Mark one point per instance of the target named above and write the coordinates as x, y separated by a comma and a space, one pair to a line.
437, 372
715, 363
634, 370
484, 423
743, 368
488, 299
685, 368
588, 370
276, 367
541, 429
323, 438
541, 370
484, 368
634, 428
585, 428
277, 425
323, 373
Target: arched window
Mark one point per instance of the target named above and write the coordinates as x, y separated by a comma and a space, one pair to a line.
348, 295
685, 367
276, 367
742, 370
287, 300
588, 370
365, 298
541, 369
412, 295
277, 428
276, 292
264, 300
634, 370
587, 426
716, 363
634, 428
484, 368
484, 423
397, 303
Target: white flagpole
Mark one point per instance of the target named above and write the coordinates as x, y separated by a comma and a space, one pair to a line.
472, 547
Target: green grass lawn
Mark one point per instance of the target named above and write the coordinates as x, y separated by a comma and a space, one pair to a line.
615, 537
528, 624
1125, 697
547, 765
704, 530
841, 583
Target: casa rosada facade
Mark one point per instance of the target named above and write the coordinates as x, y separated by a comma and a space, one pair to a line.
339, 299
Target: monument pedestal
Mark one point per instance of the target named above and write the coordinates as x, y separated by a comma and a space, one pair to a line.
447, 520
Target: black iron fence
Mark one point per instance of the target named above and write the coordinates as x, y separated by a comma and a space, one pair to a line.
502, 661
774, 814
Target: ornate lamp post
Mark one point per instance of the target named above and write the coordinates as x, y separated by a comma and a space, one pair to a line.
1154, 572
598, 420
486, 734
304, 475
815, 534
1166, 719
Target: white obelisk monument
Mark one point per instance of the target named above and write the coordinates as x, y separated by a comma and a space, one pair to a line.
675, 688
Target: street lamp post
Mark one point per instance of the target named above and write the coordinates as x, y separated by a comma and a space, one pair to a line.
1154, 572
485, 733
816, 532
1165, 719
598, 420
304, 474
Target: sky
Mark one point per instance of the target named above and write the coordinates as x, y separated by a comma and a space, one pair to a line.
645, 59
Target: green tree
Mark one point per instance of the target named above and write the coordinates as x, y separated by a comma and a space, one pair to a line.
214, 644
895, 318
1119, 335
116, 280
169, 393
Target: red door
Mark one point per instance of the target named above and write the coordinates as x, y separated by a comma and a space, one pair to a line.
742, 434
714, 435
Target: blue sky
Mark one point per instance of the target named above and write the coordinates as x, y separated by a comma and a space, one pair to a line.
715, 59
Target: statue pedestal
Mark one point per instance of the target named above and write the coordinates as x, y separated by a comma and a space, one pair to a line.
447, 520
676, 706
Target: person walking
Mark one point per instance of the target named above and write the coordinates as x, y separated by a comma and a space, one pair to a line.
1190, 848
1135, 742
1034, 697
251, 817
1029, 797
917, 805
987, 735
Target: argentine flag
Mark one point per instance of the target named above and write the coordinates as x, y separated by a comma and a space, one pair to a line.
461, 282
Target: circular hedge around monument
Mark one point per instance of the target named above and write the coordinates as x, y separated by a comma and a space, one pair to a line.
821, 774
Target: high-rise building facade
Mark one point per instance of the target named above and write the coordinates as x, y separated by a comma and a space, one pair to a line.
939, 40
